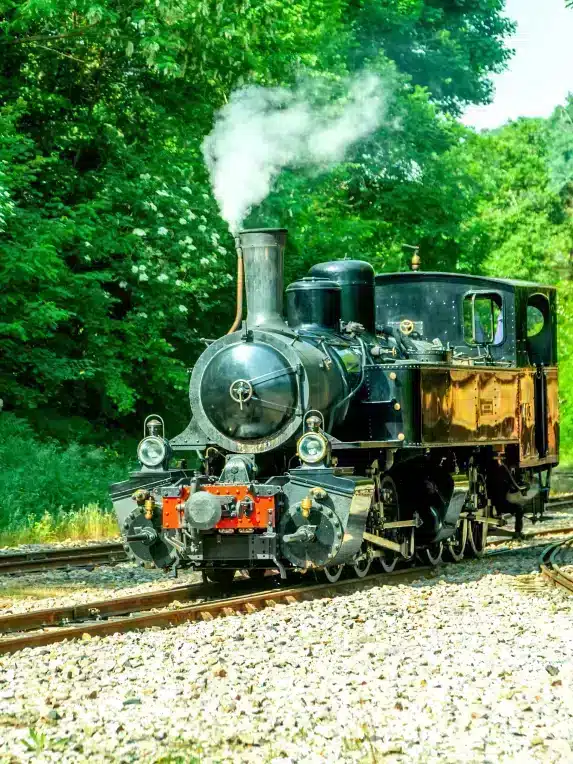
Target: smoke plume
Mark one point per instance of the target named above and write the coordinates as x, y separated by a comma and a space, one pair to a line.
261, 130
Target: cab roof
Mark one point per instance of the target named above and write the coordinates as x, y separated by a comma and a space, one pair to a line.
438, 275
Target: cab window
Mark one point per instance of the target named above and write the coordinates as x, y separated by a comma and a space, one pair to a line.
535, 321
483, 318
539, 333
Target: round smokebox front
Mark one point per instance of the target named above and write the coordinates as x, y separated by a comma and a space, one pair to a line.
249, 391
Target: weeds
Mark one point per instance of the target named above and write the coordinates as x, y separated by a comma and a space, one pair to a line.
89, 522
50, 492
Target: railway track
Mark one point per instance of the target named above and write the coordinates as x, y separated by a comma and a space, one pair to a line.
85, 556
549, 565
121, 615
188, 602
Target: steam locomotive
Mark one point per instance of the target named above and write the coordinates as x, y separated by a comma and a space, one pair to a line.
382, 418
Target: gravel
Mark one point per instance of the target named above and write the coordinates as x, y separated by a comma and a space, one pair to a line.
474, 664
75, 586
60, 545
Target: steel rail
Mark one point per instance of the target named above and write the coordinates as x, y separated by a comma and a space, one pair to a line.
29, 562
551, 570
526, 536
203, 611
106, 617
60, 616
561, 502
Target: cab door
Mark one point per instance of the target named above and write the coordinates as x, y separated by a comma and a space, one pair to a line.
540, 351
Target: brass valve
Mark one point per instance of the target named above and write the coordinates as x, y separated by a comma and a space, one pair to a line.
141, 496
306, 506
149, 508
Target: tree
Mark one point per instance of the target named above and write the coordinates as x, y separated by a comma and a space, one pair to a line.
114, 260
521, 229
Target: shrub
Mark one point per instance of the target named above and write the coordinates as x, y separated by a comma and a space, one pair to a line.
42, 481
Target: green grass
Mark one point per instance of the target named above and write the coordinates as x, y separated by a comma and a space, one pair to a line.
87, 523
53, 492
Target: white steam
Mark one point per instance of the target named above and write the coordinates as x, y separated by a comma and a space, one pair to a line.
263, 130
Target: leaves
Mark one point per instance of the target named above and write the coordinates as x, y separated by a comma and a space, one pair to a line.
114, 259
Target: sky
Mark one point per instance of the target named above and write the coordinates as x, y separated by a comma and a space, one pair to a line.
540, 74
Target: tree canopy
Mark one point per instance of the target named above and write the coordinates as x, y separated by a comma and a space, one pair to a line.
114, 260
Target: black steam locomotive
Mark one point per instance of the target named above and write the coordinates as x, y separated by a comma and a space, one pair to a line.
385, 417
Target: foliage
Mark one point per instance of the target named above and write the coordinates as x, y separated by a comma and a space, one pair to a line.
87, 523
40, 478
446, 48
522, 225
115, 261
521, 228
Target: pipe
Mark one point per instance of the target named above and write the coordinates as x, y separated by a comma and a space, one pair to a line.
240, 286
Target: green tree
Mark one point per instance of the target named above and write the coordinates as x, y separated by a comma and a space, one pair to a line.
521, 229
114, 260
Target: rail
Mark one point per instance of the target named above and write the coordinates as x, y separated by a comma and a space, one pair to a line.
187, 602
550, 568
84, 556
102, 624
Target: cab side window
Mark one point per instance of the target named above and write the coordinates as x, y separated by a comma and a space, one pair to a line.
538, 331
483, 318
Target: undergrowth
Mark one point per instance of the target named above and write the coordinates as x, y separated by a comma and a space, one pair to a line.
87, 523
50, 491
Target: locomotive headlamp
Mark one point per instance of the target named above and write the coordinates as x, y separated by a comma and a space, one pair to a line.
152, 451
312, 447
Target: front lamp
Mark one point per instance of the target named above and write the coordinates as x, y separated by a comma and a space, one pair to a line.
311, 448
152, 451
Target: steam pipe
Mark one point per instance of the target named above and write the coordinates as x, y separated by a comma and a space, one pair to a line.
240, 286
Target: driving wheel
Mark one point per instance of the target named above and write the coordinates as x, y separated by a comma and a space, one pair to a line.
330, 574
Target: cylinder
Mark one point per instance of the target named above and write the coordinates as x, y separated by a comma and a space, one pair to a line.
356, 280
263, 252
313, 305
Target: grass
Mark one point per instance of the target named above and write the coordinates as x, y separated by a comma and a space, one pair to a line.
87, 523
54, 491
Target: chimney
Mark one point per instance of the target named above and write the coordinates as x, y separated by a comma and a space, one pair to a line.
263, 251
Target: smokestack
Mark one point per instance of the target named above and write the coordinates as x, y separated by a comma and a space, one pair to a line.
263, 251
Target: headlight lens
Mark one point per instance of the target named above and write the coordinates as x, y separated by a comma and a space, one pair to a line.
311, 448
151, 451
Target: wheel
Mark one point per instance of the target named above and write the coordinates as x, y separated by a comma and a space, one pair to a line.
330, 574
477, 531
431, 555
455, 545
388, 561
389, 499
361, 567
221, 576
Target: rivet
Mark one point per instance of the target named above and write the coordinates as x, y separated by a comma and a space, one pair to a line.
393, 375
401, 436
397, 407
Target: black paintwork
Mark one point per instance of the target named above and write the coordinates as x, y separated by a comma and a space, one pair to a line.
356, 280
313, 304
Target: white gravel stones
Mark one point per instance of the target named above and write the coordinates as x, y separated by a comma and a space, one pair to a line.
60, 545
77, 586
465, 667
